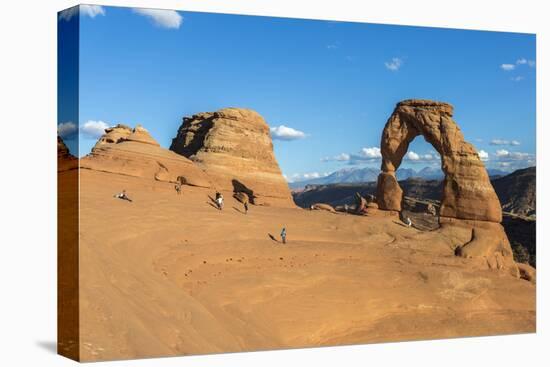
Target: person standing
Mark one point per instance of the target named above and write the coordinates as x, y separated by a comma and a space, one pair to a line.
219, 201
409, 222
283, 235
245, 207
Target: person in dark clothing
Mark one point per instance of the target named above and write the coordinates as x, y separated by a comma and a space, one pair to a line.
245, 207
122, 195
283, 235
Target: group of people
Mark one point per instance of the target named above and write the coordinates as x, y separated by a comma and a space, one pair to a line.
219, 204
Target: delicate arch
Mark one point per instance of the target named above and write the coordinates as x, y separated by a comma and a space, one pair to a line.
467, 190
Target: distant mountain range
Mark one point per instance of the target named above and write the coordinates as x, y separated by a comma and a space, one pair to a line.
516, 191
370, 174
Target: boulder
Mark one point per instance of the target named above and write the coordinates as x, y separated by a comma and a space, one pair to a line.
134, 152
527, 272
234, 147
325, 207
372, 205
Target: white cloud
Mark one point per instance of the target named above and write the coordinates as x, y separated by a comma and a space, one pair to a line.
521, 61
67, 130
332, 46
297, 177
89, 10
394, 64
504, 142
342, 157
502, 153
415, 157
93, 129
92, 10
367, 154
507, 67
370, 153
283, 132
483, 155
163, 18
513, 160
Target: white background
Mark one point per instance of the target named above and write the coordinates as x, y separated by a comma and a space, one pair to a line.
28, 181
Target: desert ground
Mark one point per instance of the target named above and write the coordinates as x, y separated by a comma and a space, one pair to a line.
172, 275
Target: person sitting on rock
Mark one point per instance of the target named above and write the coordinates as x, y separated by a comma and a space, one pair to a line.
283, 235
122, 195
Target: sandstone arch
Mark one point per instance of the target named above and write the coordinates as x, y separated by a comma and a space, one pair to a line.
470, 212
467, 190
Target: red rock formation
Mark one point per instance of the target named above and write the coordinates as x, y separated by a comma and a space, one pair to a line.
65, 160
470, 213
133, 152
234, 147
467, 192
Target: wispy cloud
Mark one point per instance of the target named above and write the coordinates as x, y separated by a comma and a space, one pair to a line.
514, 160
332, 46
373, 154
367, 154
518, 65
521, 61
342, 157
394, 64
505, 142
67, 130
283, 132
89, 10
93, 129
296, 177
170, 19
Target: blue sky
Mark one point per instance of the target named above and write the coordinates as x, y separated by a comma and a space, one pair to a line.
326, 88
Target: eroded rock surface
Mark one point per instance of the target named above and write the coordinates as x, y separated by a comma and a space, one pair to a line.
134, 152
467, 191
234, 147
470, 212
